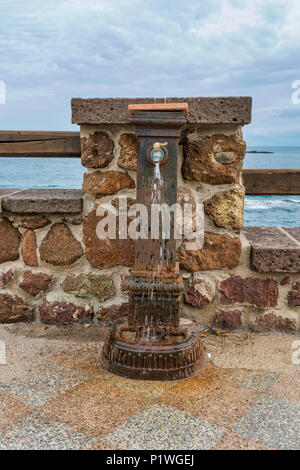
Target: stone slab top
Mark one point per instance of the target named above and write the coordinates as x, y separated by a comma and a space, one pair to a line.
201, 110
273, 249
35, 201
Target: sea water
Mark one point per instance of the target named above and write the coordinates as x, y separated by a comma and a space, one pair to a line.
273, 210
68, 173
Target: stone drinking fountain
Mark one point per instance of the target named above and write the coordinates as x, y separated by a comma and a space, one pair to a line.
154, 344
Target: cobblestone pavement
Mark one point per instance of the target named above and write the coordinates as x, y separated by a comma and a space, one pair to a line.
54, 395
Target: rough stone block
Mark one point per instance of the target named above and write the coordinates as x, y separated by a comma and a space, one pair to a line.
261, 293
103, 254
293, 298
273, 322
200, 293
227, 208
35, 283
34, 223
97, 150
202, 110
129, 151
89, 286
200, 163
9, 241
106, 182
13, 309
60, 247
228, 320
44, 201
63, 313
272, 250
218, 252
29, 249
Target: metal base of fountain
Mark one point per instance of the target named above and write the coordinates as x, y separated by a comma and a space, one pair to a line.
161, 353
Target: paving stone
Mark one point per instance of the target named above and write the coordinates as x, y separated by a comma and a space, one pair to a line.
96, 407
161, 427
11, 409
232, 441
287, 388
258, 380
211, 397
34, 432
51, 381
273, 421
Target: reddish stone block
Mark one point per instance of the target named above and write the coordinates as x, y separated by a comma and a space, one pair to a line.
9, 241
103, 254
261, 293
200, 293
6, 278
29, 249
285, 281
218, 252
106, 182
228, 320
35, 283
35, 222
272, 250
60, 247
293, 298
63, 313
272, 322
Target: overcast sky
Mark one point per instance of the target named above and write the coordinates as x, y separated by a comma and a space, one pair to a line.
58, 49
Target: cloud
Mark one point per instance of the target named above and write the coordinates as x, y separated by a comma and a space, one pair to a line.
55, 50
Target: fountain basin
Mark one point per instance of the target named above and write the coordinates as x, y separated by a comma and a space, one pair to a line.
159, 353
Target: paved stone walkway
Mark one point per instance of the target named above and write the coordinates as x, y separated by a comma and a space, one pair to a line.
54, 395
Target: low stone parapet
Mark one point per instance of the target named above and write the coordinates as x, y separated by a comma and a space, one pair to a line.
54, 268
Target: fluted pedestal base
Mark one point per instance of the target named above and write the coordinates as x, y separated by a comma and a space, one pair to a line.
161, 353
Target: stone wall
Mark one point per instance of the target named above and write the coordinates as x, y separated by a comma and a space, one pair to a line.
54, 268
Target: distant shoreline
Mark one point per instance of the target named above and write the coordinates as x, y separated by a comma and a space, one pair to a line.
258, 151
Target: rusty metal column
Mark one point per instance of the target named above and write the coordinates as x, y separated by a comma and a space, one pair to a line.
153, 345
155, 284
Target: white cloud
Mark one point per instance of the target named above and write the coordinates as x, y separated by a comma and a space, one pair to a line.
55, 50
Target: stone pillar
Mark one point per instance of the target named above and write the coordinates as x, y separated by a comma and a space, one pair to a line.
211, 153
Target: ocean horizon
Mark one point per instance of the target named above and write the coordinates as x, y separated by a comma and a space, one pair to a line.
68, 173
